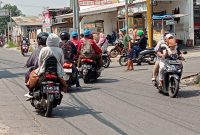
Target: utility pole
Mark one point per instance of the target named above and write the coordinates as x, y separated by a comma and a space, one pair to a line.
77, 17
74, 15
149, 23
126, 16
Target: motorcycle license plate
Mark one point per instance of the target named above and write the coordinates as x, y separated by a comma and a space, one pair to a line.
51, 89
68, 70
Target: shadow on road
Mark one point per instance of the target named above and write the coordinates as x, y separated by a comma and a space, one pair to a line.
106, 80
189, 93
7, 74
83, 89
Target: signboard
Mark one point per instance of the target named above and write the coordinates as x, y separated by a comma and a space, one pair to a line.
96, 2
4, 12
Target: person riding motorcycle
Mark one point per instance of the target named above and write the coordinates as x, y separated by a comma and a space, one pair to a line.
164, 40
140, 45
70, 51
74, 39
167, 50
103, 43
24, 41
32, 61
89, 49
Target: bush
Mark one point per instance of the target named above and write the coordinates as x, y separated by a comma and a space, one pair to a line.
11, 44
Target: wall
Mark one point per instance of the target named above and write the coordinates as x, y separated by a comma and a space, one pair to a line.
185, 28
110, 21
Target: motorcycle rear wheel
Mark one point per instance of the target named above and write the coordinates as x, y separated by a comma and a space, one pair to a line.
153, 59
173, 87
50, 100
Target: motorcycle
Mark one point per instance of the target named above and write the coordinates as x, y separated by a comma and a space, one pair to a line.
24, 49
70, 76
172, 74
145, 56
106, 59
89, 71
117, 50
47, 94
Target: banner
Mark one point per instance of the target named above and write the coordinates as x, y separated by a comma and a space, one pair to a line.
96, 2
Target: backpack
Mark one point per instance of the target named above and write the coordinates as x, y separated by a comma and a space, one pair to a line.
87, 49
67, 50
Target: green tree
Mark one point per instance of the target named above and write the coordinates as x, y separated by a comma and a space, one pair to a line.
4, 20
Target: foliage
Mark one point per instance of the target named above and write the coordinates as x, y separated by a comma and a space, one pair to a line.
4, 20
11, 44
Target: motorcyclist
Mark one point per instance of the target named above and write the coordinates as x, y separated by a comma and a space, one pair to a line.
170, 49
24, 41
164, 40
70, 51
74, 39
140, 45
32, 62
89, 49
103, 43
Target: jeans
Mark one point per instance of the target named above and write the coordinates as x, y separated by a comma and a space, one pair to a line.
136, 50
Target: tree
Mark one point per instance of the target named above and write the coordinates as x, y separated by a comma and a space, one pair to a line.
4, 20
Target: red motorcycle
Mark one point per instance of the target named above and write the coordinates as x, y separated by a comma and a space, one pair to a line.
117, 50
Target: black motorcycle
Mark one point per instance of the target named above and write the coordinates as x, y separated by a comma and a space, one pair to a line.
89, 70
145, 56
47, 94
106, 59
171, 76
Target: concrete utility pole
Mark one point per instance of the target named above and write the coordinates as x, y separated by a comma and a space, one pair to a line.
74, 15
149, 23
126, 16
77, 17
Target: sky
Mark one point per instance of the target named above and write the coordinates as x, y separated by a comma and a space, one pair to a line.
35, 7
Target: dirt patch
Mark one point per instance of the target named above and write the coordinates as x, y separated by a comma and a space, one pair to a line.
191, 80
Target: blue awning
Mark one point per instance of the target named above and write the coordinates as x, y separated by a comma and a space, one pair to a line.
162, 17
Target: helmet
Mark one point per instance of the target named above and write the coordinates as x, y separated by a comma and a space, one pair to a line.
42, 37
74, 34
140, 32
64, 36
87, 32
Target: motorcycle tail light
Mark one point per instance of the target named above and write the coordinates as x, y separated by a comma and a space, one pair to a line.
50, 76
67, 65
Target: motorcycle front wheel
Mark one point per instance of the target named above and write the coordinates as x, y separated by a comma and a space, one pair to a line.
114, 53
173, 87
106, 62
123, 61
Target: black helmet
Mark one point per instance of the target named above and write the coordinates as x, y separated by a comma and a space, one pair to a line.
42, 38
64, 36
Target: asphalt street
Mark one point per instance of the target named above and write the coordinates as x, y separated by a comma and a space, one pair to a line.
119, 103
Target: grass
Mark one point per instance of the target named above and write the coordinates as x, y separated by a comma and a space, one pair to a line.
11, 45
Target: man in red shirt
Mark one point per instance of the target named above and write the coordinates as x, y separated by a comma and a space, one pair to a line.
88, 48
74, 39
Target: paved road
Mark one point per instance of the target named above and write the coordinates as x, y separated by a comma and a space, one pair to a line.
120, 102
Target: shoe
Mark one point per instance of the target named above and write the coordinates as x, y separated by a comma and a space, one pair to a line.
28, 95
153, 79
78, 87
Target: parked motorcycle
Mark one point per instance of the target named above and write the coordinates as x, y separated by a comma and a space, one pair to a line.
106, 59
117, 50
89, 71
47, 95
172, 74
145, 56
24, 49
70, 75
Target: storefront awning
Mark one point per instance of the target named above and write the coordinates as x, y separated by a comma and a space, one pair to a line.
168, 16
95, 10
